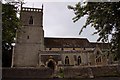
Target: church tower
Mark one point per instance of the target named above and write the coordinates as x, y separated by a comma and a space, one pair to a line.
30, 38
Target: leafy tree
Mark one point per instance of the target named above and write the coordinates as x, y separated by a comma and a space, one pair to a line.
10, 23
104, 17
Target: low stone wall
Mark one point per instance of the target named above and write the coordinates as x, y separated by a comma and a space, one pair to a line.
73, 72
90, 72
26, 73
68, 72
105, 71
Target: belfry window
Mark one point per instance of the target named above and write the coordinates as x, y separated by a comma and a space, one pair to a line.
31, 20
79, 60
27, 37
66, 60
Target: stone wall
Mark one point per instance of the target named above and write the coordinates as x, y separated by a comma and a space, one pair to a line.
26, 73
93, 71
73, 72
69, 72
106, 71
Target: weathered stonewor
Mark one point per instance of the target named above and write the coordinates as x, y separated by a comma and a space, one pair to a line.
26, 73
75, 72
94, 71
110, 70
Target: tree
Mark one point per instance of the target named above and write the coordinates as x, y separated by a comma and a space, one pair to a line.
104, 17
10, 23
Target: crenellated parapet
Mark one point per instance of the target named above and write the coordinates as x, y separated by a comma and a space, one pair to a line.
32, 9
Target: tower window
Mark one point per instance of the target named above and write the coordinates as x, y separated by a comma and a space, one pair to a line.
31, 20
27, 37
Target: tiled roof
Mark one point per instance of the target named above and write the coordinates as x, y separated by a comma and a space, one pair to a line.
101, 45
66, 42
71, 43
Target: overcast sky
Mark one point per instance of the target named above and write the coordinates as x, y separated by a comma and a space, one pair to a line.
58, 20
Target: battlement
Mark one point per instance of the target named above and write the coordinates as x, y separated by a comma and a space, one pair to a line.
32, 9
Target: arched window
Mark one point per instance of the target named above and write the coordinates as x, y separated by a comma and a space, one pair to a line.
98, 59
66, 60
73, 48
62, 49
31, 20
79, 60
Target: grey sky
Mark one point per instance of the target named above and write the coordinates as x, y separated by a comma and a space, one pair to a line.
58, 21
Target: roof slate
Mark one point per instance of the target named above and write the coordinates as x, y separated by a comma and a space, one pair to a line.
71, 43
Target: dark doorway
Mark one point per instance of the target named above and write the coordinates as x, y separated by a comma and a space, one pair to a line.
51, 64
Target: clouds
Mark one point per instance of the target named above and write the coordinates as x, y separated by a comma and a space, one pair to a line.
58, 21
58, 18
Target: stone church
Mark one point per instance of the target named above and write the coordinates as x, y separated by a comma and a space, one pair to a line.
32, 49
